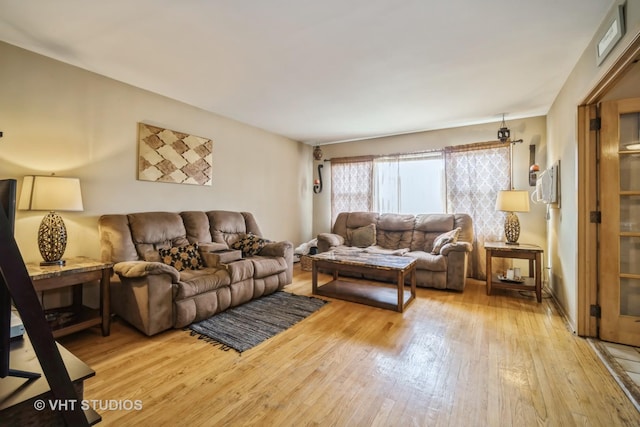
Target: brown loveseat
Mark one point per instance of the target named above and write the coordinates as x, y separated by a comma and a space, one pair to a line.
434, 240
151, 293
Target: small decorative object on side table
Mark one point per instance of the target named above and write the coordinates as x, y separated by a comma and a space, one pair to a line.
75, 274
522, 251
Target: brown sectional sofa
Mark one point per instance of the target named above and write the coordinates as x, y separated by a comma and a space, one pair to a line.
408, 235
154, 296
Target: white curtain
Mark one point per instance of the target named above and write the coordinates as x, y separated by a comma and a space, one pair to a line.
386, 185
474, 175
409, 183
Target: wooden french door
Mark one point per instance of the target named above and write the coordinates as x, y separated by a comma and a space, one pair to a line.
619, 278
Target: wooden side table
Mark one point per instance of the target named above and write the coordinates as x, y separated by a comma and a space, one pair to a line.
75, 274
18, 396
522, 251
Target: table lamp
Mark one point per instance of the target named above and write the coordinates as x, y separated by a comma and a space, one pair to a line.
51, 193
512, 201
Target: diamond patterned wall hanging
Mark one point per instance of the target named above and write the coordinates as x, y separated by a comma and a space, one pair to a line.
168, 156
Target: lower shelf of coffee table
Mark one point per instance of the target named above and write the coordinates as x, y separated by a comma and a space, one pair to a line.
373, 295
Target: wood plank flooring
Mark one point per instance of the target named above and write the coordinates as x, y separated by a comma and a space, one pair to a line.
451, 359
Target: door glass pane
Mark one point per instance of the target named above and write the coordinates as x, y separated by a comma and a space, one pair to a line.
629, 131
629, 255
630, 213
629, 172
629, 297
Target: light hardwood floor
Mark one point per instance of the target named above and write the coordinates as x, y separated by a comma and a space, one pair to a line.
452, 359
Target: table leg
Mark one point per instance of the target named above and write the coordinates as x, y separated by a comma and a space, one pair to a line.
538, 277
400, 308
531, 268
314, 277
488, 271
105, 302
413, 282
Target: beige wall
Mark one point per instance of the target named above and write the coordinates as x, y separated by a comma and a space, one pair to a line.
531, 130
562, 143
62, 119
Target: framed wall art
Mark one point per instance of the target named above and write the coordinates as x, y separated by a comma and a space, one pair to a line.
169, 156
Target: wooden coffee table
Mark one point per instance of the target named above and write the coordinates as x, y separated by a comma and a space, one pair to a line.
376, 266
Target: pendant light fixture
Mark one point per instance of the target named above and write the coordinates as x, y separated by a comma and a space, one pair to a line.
504, 134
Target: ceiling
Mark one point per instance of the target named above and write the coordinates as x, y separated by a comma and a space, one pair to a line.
323, 71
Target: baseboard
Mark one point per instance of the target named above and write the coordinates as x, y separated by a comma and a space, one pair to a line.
617, 372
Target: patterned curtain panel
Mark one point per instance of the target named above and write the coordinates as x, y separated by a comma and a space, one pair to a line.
351, 186
474, 175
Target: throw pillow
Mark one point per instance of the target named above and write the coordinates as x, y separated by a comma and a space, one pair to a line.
182, 257
444, 238
362, 237
250, 244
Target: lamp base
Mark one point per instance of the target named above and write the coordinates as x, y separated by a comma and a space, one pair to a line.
52, 239
512, 228
59, 262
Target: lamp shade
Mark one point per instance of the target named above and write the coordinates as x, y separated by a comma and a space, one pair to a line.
513, 201
50, 193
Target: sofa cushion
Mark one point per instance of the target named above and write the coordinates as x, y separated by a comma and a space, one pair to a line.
385, 251
250, 244
351, 220
182, 257
240, 270
229, 226
395, 230
443, 239
428, 261
434, 222
154, 230
362, 237
195, 282
267, 266
152, 256
344, 249
428, 227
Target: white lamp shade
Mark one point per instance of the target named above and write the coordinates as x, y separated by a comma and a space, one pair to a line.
50, 193
513, 201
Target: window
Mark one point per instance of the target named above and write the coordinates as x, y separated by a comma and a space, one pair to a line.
411, 184
416, 183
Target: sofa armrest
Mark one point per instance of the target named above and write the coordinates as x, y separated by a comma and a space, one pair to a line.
326, 241
136, 269
456, 247
281, 249
457, 270
142, 294
276, 248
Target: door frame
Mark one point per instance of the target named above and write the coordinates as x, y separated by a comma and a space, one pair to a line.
588, 193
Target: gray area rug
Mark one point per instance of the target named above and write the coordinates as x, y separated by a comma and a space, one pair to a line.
243, 327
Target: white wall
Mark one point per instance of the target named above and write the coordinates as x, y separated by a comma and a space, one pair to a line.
531, 130
562, 142
62, 119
